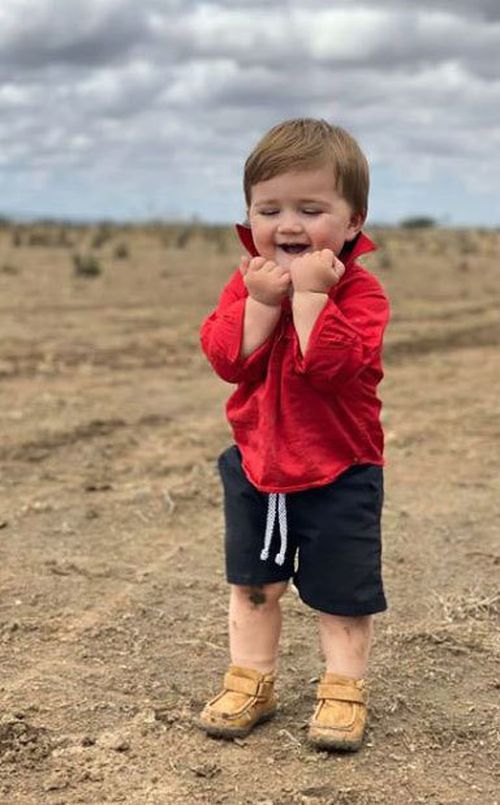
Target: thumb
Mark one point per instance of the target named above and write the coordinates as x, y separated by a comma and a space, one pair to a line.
328, 256
338, 266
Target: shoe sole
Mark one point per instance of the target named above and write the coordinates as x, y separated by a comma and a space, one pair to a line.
237, 732
332, 745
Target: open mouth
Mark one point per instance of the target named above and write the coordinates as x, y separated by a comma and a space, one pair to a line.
293, 248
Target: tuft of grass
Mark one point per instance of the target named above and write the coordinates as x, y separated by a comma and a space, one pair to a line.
472, 604
216, 235
8, 268
39, 238
62, 239
385, 261
87, 265
17, 239
184, 236
102, 235
122, 251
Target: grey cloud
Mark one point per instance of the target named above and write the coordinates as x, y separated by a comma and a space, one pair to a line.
278, 36
70, 34
112, 88
485, 9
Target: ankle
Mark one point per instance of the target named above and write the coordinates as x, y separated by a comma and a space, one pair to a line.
354, 673
261, 666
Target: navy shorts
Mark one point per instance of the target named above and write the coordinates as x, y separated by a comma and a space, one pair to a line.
333, 539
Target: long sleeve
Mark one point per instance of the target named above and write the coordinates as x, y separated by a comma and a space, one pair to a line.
347, 336
222, 334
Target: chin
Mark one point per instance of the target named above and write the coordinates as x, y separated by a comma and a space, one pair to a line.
283, 260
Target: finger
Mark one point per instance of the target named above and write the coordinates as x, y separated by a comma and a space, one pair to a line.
338, 267
269, 266
256, 263
280, 270
328, 256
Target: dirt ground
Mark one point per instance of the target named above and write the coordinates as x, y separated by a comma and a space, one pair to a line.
112, 593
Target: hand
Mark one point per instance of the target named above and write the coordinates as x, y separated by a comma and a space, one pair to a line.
266, 281
316, 272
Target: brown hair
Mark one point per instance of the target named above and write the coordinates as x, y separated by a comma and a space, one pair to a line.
306, 143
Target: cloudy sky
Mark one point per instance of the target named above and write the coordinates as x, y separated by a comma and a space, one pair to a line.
127, 109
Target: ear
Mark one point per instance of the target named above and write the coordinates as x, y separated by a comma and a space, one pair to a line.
355, 225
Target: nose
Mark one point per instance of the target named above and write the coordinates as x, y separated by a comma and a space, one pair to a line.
289, 222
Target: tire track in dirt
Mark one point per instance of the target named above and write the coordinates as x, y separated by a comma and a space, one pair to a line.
161, 354
165, 354
93, 429
92, 618
67, 307
471, 337
190, 484
443, 315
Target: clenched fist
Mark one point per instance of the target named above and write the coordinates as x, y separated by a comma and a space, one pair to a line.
316, 272
266, 281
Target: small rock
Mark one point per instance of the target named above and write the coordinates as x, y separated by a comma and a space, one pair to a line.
116, 742
97, 486
56, 783
206, 770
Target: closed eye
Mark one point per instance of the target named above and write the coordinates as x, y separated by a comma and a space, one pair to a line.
308, 211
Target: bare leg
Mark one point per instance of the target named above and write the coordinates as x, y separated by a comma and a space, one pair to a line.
346, 643
255, 625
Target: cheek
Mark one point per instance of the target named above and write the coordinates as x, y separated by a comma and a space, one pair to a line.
261, 233
327, 234
323, 232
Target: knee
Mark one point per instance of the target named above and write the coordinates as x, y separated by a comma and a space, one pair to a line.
262, 595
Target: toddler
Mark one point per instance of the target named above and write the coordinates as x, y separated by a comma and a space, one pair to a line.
298, 329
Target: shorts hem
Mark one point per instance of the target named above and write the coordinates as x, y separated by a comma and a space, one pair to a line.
255, 582
368, 608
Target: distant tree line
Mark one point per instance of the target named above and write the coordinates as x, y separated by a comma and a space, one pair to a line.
418, 222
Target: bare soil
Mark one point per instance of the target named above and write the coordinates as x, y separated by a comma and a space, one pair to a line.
112, 592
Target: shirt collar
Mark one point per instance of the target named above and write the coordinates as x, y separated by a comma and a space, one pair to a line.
353, 249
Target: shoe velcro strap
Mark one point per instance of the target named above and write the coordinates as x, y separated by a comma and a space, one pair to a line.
241, 684
341, 693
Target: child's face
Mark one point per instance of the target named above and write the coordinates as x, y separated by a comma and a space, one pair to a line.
298, 212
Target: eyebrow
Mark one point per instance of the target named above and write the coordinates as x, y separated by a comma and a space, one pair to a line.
299, 201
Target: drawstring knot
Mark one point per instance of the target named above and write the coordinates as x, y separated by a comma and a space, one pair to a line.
276, 499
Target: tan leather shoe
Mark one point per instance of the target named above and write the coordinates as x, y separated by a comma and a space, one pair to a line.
247, 699
340, 718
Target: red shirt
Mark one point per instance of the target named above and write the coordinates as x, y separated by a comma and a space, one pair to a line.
300, 421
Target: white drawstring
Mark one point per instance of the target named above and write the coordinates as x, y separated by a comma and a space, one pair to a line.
280, 498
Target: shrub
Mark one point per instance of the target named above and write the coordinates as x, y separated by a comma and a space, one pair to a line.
8, 268
62, 239
418, 222
39, 238
17, 239
184, 236
86, 265
217, 236
122, 252
101, 236
385, 261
